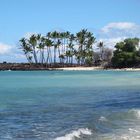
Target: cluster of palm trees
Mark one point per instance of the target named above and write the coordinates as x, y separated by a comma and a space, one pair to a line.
59, 47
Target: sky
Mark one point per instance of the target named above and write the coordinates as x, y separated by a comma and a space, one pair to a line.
109, 20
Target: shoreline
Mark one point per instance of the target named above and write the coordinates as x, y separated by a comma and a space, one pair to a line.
78, 68
28, 67
94, 69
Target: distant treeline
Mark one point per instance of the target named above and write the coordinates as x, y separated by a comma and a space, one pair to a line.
127, 53
65, 49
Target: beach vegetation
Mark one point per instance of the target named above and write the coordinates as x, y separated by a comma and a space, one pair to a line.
60, 48
67, 49
127, 53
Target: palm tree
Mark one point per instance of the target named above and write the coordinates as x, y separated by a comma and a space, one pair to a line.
71, 47
49, 44
26, 49
81, 39
62, 58
40, 47
89, 48
48, 35
33, 44
63, 46
101, 48
62, 35
54, 36
58, 43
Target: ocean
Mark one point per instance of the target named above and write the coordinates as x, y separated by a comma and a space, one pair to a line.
69, 105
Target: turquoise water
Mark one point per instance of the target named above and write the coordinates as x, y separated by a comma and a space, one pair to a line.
70, 105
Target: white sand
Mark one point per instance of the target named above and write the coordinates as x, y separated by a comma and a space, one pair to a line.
93, 68
80, 68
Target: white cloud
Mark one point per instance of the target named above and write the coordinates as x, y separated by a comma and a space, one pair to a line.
4, 48
19, 56
119, 26
111, 42
11, 53
115, 32
119, 29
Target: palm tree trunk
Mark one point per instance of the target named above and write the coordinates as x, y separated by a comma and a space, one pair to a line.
35, 55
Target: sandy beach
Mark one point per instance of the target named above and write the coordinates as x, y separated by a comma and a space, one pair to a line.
93, 68
79, 68
28, 67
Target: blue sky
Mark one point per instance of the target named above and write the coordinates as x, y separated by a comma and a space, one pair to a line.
104, 17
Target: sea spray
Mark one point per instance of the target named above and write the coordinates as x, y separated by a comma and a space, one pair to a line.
76, 133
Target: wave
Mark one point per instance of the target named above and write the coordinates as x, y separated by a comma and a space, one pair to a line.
130, 128
130, 134
135, 112
126, 132
132, 114
76, 133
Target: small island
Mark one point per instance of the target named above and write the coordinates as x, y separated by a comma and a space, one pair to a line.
80, 51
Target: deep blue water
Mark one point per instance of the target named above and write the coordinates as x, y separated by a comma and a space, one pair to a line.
70, 105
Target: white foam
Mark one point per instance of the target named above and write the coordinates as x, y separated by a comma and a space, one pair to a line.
132, 130
102, 118
133, 136
136, 112
76, 133
128, 134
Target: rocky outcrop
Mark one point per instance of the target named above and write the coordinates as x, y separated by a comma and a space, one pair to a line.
21, 66
27, 66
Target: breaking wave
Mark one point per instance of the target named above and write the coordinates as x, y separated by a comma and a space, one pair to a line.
75, 134
135, 112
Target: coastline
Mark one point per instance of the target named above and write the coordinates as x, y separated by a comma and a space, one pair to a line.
28, 67
93, 69
78, 68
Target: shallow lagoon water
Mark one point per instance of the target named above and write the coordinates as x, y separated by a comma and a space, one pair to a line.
69, 105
